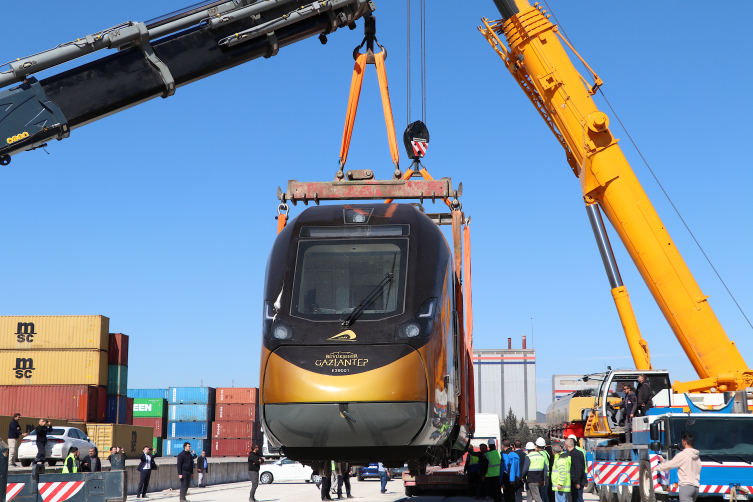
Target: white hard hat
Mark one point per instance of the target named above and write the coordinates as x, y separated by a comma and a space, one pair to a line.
572, 436
492, 441
530, 446
541, 442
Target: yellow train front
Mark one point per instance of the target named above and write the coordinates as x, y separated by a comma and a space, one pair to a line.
360, 341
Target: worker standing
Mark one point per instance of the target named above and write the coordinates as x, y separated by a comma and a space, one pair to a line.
561, 474
538, 471
343, 478
491, 480
254, 465
384, 476
688, 465
41, 439
547, 487
578, 476
185, 470
473, 469
511, 467
483, 463
630, 407
645, 401
71, 461
550, 454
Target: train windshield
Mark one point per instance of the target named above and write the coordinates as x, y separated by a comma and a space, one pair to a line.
333, 277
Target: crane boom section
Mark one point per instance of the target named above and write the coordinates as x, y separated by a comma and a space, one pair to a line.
540, 64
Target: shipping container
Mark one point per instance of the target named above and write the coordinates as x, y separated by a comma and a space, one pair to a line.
28, 424
148, 393
188, 430
54, 332
118, 351
116, 410
159, 425
172, 447
191, 395
129, 411
236, 430
149, 408
190, 413
102, 405
235, 412
117, 380
130, 437
65, 402
237, 395
53, 367
231, 447
157, 445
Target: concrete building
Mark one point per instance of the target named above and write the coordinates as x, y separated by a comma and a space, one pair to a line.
506, 379
563, 385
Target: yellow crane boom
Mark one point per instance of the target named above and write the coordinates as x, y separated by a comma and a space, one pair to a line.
536, 58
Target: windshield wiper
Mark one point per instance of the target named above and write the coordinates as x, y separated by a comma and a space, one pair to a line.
371, 298
743, 459
712, 458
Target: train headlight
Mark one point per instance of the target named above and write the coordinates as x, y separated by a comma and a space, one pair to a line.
282, 332
422, 323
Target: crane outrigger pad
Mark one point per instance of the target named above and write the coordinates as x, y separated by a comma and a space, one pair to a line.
305, 191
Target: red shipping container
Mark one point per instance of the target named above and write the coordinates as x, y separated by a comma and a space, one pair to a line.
63, 402
236, 430
118, 350
224, 412
102, 405
129, 411
237, 395
158, 424
231, 447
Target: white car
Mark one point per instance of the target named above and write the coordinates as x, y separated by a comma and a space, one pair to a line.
285, 470
59, 442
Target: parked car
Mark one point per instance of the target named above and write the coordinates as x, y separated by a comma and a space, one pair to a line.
59, 443
285, 470
372, 471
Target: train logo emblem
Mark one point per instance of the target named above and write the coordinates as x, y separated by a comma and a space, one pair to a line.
346, 336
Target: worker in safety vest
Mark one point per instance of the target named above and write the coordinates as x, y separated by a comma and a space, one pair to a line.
561, 474
71, 461
538, 471
473, 468
491, 480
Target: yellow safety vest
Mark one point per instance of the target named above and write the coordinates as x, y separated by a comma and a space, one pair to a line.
561, 472
495, 460
538, 462
474, 459
65, 464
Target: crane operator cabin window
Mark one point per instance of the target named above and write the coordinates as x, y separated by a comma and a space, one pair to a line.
334, 276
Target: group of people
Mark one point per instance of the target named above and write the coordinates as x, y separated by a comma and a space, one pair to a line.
551, 473
635, 403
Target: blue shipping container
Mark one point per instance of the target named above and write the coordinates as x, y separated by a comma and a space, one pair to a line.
190, 430
115, 415
172, 447
191, 395
190, 413
148, 393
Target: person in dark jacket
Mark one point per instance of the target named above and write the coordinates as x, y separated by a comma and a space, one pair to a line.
91, 462
522, 456
550, 487
578, 478
630, 408
41, 439
146, 466
254, 464
14, 434
645, 402
202, 467
185, 470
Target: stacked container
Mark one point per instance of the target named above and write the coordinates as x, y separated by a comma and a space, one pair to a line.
190, 414
151, 412
54, 366
117, 379
236, 428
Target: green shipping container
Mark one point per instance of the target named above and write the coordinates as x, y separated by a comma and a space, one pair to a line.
157, 445
117, 380
149, 408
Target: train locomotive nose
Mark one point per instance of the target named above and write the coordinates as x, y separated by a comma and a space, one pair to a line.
344, 396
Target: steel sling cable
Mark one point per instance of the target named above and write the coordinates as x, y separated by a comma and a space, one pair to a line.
408, 59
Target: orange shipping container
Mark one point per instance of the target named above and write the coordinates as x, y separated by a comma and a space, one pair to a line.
236, 430
224, 412
231, 447
237, 395
54, 332
53, 367
64, 402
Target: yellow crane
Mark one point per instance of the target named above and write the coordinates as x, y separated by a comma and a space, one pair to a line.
535, 56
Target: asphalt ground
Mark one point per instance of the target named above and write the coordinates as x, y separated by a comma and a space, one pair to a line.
363, 491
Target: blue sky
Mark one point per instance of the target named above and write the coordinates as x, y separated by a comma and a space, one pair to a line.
161, 217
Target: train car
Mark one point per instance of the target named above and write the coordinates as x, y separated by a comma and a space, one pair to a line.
361, 351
